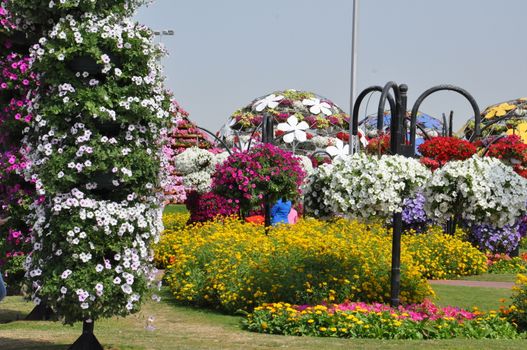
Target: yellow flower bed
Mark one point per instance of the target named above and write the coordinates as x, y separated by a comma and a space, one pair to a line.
175, 221
518, 310
232, 265
166, 249
443, 256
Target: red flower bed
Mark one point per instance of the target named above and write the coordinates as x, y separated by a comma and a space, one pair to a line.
439, 150
512, 151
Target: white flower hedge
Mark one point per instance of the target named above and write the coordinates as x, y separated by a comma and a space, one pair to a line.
317, 199
363, 186
482, 190
96, 158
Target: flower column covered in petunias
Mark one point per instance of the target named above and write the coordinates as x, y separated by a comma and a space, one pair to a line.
17, 86
99, 113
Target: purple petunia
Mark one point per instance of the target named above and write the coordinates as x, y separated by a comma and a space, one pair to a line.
414, 215
496, 240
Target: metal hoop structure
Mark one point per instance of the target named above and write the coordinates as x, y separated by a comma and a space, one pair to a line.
463, 92
402, 142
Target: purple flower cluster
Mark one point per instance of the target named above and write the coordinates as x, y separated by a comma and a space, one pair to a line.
522, 227
496, 240
414, 215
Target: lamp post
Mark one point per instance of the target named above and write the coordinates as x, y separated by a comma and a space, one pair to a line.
161, 33
353, 79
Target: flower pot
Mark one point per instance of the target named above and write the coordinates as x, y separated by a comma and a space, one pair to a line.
5, 96
16, 41
84, 63
103, 181
105, 188
108, 128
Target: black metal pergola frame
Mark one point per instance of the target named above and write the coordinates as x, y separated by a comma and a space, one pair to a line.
402, 142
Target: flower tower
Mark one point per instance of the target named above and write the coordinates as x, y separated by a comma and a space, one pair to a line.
17, 86
183, 135
100, 112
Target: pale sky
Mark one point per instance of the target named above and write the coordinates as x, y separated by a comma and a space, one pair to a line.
225, 53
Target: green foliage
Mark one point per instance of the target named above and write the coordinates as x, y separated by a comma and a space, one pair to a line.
40, 12
510, 265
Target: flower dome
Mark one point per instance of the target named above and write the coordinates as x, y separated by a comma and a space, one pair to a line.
425, 124
304, 122
502, 118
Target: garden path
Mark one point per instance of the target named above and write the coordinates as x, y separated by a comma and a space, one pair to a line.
488, 284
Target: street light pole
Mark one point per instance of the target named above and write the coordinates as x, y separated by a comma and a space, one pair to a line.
353, 79
165, 32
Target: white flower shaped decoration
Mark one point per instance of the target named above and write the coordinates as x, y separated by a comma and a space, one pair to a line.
270, 101
293, 129
317, 107
339, 149
362, 138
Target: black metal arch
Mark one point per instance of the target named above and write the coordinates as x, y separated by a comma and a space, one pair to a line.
325, 153
358, 102
495, 140
394, 109
216, 138
461, 91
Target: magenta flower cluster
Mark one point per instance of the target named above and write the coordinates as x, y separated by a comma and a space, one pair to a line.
6, 22
426, 310
208, 206
17, 86
245, 177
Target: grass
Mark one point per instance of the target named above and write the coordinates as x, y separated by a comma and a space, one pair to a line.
483, 298
175, 208
491, 277
179, 327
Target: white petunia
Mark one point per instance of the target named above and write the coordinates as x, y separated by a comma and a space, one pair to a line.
126, 288
66, 274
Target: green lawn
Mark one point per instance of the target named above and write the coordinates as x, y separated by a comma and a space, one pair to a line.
180, 327
466, 297
175, 208
492, 277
